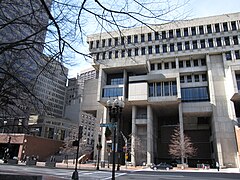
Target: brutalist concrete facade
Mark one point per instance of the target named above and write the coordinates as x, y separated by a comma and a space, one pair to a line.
184, 73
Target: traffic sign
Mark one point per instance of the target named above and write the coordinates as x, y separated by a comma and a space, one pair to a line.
108, 125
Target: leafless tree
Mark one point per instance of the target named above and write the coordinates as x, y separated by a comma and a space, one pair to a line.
181, 149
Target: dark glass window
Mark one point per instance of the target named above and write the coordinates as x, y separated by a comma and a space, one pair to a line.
110, 55
235, 40
97, 44
196, 78
114, 79
194, 44
109, 42
181, 64
112, 92
217, 28
97, 56
204, 77
136, 51
103, 42
116, 54
185, 32
166, 65
228, 56
149, 49
179, 46
187, 47
116, 41
202, 42
203, 62
209, 28
152, 67
237, 55
188, 63
91, 44
164, 48
149, 36
195, 62
159, 65
174, 88
201, 30
123, 53
122, 41
233, 24
150, 90
129, 39
193, 29
104, 55
189, 78
227, 41
182, 79
166, 89
210, 42
171, 47
225, 27
164, 35
173, 65
143, 50
156, 36
129, 52
194, 94
219, 42
238, 81
135, 38
159, 89
171, 34
142, 37
157, 49
178, 32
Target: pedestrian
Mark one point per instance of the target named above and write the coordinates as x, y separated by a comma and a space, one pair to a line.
217, 166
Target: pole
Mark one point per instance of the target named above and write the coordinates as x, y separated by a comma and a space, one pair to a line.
98, 159
114, 153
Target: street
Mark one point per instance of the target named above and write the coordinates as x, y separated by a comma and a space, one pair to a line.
58, 174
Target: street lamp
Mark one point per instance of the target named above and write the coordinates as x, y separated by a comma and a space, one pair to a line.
115, 110
99, 147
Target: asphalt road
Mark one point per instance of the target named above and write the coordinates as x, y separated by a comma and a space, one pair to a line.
60, 174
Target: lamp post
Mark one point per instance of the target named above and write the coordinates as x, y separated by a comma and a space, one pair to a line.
115, 110
99, 147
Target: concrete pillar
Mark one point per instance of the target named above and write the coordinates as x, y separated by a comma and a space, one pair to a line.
149, 135
103, 119
134, 133
180, 114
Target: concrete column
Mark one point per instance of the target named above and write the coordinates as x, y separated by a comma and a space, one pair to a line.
149, 135
134, 133
180, 114
125, 84
103, 119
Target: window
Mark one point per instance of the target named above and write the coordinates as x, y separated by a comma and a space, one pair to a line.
202, 42
149, 36
116, 54
159, 66
97, 56
209, 29
181, 64
195, 62
116, 41
157, 49
123, 53
194, 94
235, 40
109, 42
228, 56
196, 78
182, 79
103, 42
129, 39
171, 34
179, 46
188, 63
112, 92
201, 30
164, 35
238, 80
194, 44
104, 55
233, 24
225, 27
159, 89
150, 90
91, 44
110, 55
97, 45
237, 55
217, 28
173, 65
178, 32
166, 89
164, 48
204, 77
193, 29
219, 42
156, 36
210, 42
114, 79
143, 50
149, 49
152, 67
203, 62
227, 42
166, 65
136, 51
135, 38
185, 32
129, 52
189, 78
187, 47
142, 37
171, 47
122, 41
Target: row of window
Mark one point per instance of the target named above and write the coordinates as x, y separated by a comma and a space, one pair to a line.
193, 78
194, 94
230, 54
198, 30
112, 92
172, 47
162, 89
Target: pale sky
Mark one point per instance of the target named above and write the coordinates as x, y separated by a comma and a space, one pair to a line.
197, 8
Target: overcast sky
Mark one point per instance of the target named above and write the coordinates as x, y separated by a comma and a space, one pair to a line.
197, 8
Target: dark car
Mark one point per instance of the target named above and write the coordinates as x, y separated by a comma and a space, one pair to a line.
163, 166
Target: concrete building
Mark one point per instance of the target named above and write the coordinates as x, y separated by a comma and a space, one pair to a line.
183, 73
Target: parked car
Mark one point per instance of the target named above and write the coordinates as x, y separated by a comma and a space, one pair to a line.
163, 166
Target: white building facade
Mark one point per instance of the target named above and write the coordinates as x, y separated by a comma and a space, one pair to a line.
184, 73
